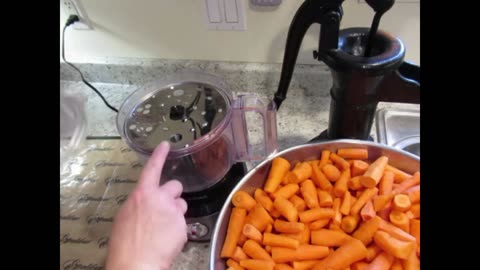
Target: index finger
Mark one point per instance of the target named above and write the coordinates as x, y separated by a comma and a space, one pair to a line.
153, 169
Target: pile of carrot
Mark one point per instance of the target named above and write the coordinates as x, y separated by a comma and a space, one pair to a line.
342, 211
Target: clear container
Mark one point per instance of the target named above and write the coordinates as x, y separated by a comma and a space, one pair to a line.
205, 124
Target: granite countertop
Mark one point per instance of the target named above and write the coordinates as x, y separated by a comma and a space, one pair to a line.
303, 115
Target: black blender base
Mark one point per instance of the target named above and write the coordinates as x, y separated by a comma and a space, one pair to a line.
324, 137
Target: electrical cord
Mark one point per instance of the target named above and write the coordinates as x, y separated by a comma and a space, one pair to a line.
72, 19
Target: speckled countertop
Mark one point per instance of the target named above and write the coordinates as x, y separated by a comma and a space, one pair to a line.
303, 115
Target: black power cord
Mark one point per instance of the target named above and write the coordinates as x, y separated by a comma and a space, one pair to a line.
72, 19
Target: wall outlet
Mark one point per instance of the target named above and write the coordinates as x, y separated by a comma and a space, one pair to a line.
74, 7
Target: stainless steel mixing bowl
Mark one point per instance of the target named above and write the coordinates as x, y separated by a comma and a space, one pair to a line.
257, 176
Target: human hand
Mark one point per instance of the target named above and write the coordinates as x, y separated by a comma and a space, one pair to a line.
150, 228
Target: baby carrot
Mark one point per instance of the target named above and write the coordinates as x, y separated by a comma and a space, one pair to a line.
408, 183
286, 191
268, 249
331, 172
400, 175
300, 173
359, 167
304, 265
349, 223
288, 227
340, 161
366, 196
360, 265
234, 265
394, 231
374, 172
268, 228
309, 193
383, 261
372, 252
252, 233
325, 198
386, 183
324, 158
415, 208
320, 179
305, 234
275, 213
318, 224
311, 252
238, 254
257, 264
397, 248
367, 229
346, 203
412, 262
400, 220
242, 239
415, 229
380, 201
353, 153
279, 169
283, 255
262, 198
315, 214
367, 211
298, 202
242, 199
412, 189
401, 202
354, 183
414, 196
337, 218
341, 186
234, 229
329, 238
286, 208
275, 240
282, 266
255, 251
397, 264
259, 218
352, 251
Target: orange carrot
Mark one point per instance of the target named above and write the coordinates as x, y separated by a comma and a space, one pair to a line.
300, 173
383, 213
366, 196
325, 198
408, 183
255, 251
318, 224
335, 227
374, 172
309, 193
397, 248
359, 167
346, 203
349, 223
282, 266
235, 226
397, 264
252, 233
367, 211
288, 227
298, 202
353, 153
279, 169
412, 189
360, 265
394, 231
242, 199
283, 255
286, 208
352, 251
331, 172
337, 217
415, 208
400, 175
386, 183
414, 196
367, 229
341, 186
320, 179
415, 229
380, 201
259, 218
238, 254
354, 183
242, 239
262, 198
400, 220
401, 202
257, 264
340, 161
409, 214
304, 265
234, 265
324, 158
311, 252
305, 234
275, 214
412, 262
372, 252
329, 238
268, 249
275, 240
315, 214
286, 191
383, 261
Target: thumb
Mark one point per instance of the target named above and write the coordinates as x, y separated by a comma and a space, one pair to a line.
153, 169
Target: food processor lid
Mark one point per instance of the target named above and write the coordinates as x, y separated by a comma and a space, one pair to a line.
180, 113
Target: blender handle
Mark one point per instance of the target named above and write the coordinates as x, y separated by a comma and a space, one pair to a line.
251, 102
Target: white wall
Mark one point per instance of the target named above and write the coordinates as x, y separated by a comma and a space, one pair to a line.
175, 29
